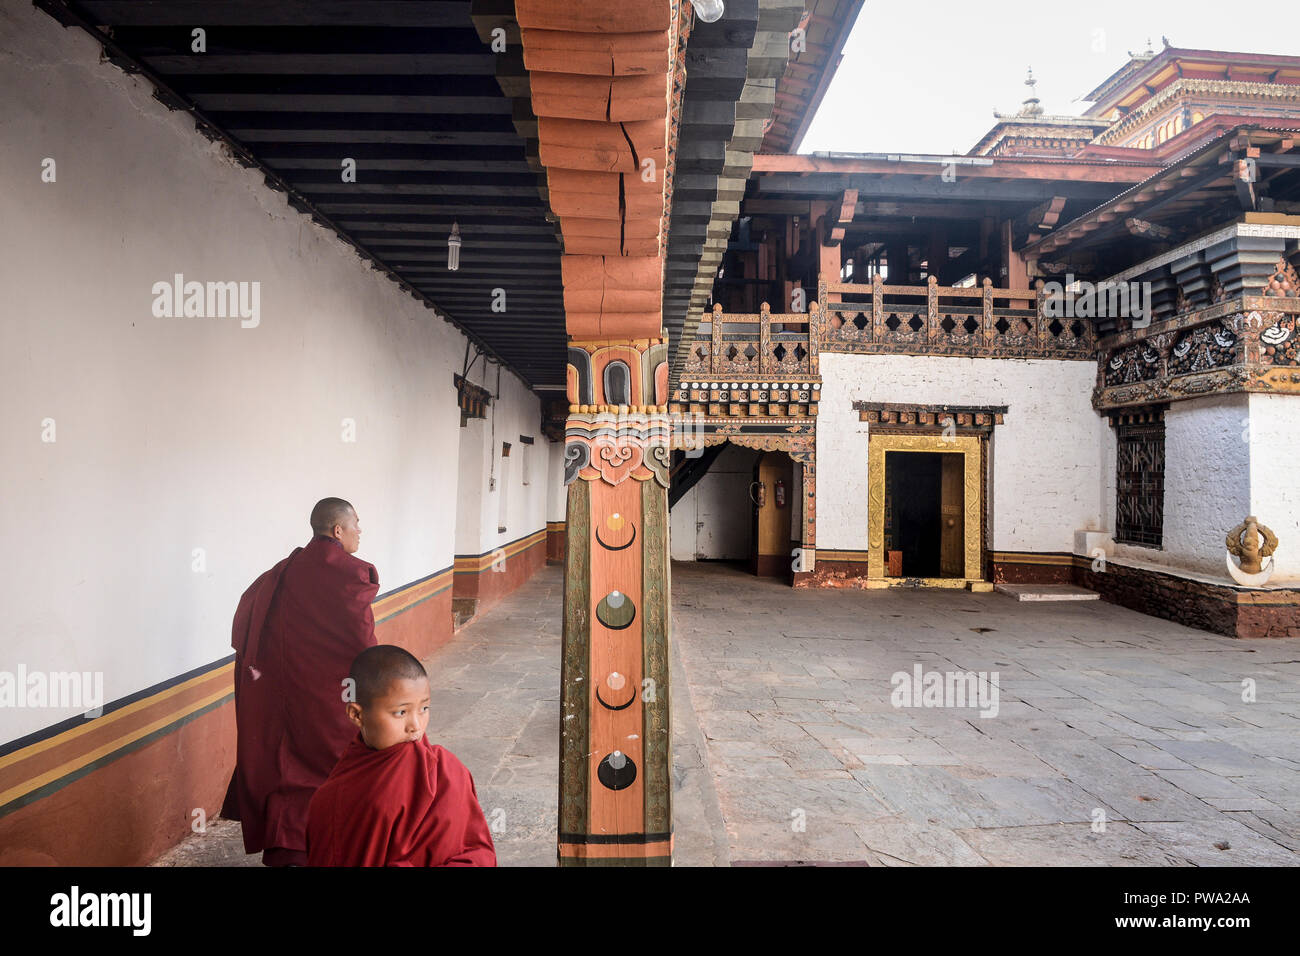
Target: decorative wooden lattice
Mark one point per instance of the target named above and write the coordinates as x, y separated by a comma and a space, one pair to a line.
1140, 484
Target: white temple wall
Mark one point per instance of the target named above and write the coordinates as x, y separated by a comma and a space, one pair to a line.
1274, 490
167, 435
1045, 460
1207, 485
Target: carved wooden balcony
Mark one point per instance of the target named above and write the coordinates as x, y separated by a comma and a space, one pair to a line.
947, 320
752, 366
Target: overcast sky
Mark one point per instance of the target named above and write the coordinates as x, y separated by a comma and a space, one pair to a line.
925, 76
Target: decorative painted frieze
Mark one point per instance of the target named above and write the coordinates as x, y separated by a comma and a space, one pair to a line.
1243, 344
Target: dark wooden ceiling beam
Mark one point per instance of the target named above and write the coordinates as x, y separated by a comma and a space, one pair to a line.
273, 13
792, 185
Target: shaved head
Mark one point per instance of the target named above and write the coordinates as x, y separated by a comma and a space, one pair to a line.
376, 668
329, 513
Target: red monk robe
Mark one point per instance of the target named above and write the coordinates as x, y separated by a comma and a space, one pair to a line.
411, 804
296, 632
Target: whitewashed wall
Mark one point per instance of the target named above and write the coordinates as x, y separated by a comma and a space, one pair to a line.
1207, 485
557, 493
1274, 491
515, 412
179, 434
1046, 458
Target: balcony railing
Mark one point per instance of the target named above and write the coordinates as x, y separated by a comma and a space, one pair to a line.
948, 320
892, 319
755, 346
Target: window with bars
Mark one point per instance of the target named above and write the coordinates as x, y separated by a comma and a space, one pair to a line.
1140, 483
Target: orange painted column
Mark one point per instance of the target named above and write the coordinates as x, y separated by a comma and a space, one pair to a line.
615, 753
600, 81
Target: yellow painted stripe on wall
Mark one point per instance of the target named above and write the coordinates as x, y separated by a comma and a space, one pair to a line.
474, 565
386, 608
27, 786
224, 673
401, 600
1028, 557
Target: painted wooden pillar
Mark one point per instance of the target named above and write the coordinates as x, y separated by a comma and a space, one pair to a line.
615, 755
1017, 273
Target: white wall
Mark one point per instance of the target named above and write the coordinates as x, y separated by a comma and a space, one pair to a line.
1207, 485
1274, 491
1046, 457
172, 433
1226, 457
557, 493
472, 487
515, 412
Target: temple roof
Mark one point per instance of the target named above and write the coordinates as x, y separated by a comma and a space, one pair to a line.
1143, 75
807, 75
1204, 187
1030, 120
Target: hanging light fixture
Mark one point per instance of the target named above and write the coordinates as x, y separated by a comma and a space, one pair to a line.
453, 248
710, 11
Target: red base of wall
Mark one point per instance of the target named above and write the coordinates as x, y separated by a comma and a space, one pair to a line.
1221, 609
421, 629
1027, 572
833, 574
557, 541
130, 811
773, 566
1210, 607
486, 586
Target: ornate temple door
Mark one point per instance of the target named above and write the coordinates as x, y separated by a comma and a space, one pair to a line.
952, 517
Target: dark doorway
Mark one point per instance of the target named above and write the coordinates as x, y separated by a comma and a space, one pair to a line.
913, 486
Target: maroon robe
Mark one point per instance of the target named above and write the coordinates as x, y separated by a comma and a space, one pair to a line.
296, 632
412, 804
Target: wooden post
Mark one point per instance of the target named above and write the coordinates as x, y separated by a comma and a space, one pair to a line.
615, 799
814, 338
936, 255
764, 337
715, 356
897, 262
987, 324
1017, 271
877, 308
932, 310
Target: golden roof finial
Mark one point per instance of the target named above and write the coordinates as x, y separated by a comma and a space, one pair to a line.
1031, 105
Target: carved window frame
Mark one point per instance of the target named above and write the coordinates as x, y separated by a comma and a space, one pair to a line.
1140, 487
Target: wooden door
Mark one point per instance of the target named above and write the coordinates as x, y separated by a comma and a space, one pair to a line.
773, 487
952, 517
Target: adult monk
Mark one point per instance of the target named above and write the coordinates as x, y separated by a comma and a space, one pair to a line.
296, 632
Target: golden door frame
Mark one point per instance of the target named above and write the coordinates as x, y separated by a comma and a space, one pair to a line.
972, 500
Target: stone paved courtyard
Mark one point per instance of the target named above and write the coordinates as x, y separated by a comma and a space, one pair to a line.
1102, 711
787, 746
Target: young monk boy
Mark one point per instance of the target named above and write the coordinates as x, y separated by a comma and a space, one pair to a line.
394, 799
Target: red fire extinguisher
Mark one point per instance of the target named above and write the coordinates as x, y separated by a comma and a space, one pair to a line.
780, 493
